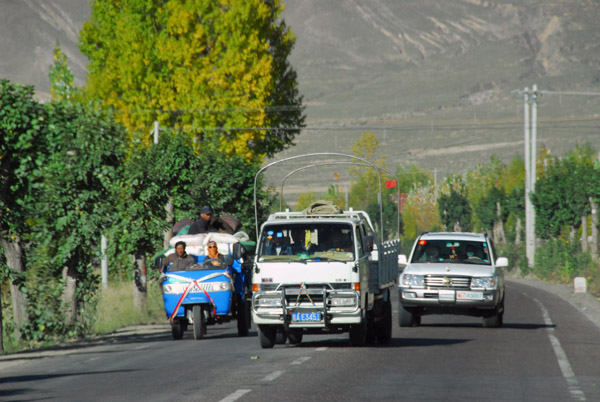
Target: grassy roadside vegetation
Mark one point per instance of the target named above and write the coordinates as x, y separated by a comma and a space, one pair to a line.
109, 310
115, 308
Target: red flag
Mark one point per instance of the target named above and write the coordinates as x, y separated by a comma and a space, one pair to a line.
390, 184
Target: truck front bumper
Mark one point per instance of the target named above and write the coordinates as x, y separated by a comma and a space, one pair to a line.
312, 312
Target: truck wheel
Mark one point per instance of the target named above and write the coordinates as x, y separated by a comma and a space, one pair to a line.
384, 329
199, 322
405, 317
243, 318
295, 337
358, 334
177, 330
280, 336
266, 333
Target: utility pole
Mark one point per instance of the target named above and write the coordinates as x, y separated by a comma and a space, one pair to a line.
530, 100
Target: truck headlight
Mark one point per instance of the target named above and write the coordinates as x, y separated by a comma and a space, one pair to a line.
269, 302
412, 280
342, 301
484, 282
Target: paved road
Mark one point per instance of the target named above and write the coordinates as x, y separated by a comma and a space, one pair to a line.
548, 350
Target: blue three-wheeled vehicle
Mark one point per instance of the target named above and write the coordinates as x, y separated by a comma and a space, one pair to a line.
209, 292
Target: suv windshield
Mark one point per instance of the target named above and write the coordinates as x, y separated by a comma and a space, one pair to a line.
461, 251
301, 242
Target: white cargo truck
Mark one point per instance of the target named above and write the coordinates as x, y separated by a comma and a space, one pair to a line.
323, 271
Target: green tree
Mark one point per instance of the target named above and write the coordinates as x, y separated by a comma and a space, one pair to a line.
84, 153
412, 177
562, 193
218, 70
22, 123
61, 76
454, 208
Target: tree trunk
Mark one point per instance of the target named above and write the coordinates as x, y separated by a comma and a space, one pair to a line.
594, 245
69, 297
501, 238
169, 231
584, 233
1, 334
518, 231
572, 234
14, 259
140, 297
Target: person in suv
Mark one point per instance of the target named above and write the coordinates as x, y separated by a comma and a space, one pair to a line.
452, 273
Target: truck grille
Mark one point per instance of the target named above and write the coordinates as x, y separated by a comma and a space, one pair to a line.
314, 291
448, 282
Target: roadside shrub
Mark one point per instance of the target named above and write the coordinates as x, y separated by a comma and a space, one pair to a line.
559, 260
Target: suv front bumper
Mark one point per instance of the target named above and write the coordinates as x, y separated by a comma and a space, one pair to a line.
448, 298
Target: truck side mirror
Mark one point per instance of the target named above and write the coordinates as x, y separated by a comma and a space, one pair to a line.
368, 243
158, 262
236, 250
228, 260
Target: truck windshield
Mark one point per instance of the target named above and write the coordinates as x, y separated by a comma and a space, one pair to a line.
301, 242
443, 251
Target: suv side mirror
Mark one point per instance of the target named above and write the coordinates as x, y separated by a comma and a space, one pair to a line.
401, 259
502, 262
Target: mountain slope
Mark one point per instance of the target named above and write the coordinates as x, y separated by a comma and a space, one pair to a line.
434, 80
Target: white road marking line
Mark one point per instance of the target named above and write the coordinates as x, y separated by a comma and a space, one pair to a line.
561, 356
322, 348
273, 376
300, 360
236, 395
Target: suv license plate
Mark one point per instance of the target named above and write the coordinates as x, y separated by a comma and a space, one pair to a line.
447, 295
469, 295
304, 317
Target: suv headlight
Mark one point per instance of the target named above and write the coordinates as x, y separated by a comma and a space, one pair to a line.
412, 280
485, 282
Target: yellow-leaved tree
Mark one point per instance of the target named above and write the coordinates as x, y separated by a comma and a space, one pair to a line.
215, 69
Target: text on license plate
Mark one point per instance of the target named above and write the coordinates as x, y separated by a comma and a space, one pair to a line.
314, 316
469, 295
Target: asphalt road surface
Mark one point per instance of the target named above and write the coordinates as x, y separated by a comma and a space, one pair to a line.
547, 350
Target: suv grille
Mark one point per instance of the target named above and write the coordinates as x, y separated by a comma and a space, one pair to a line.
451, 282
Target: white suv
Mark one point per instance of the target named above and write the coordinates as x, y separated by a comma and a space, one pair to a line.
452, 273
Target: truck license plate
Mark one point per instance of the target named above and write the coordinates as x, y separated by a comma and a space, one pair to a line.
469, 295
303, 317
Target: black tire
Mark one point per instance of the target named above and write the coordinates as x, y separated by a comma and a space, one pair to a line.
495, 321
177, 330
371, 332
384, 329
358, 334
243, 318
199, 322
280, 336
266, 334
295, 337
405, 317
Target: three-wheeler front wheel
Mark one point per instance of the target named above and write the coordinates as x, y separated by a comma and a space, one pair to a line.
177, 329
